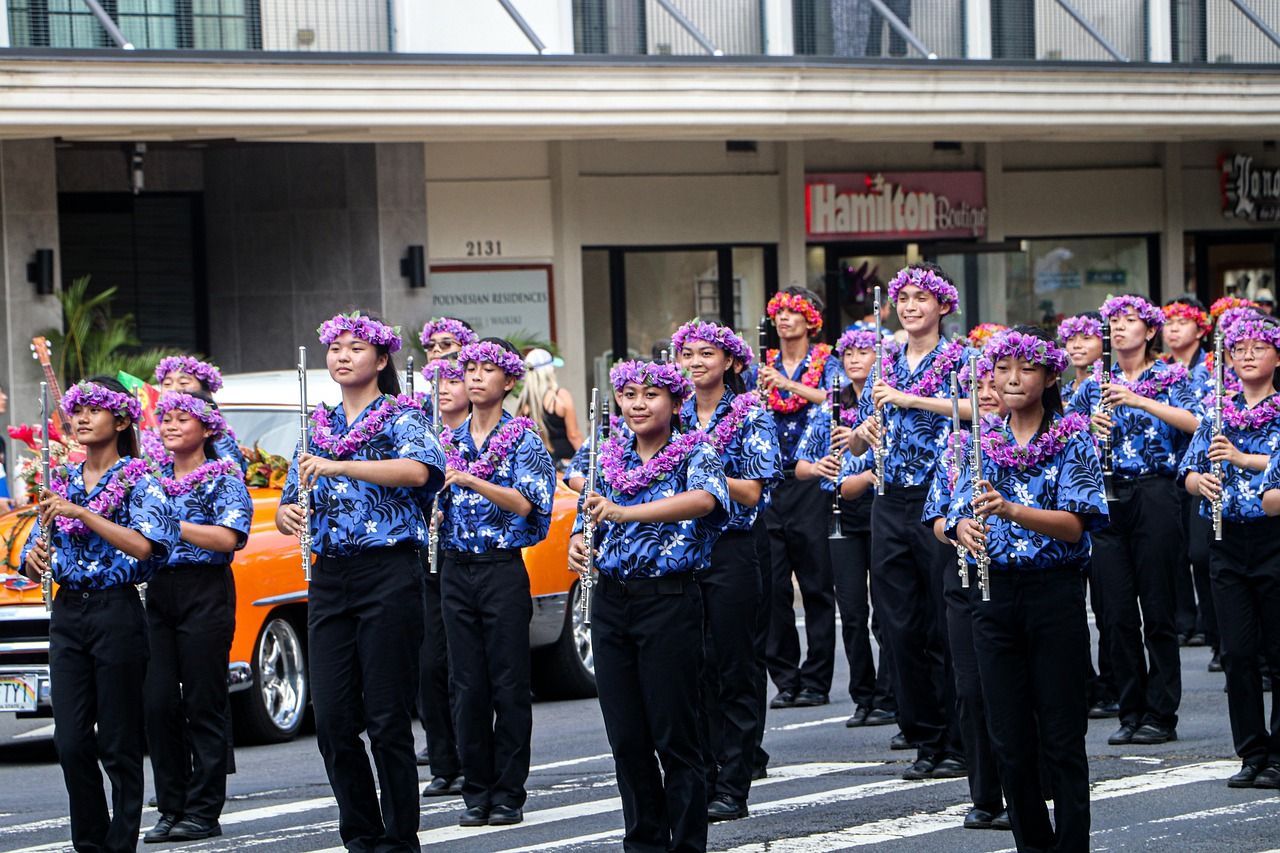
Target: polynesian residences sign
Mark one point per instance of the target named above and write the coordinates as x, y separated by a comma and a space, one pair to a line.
895, 205
1249, 191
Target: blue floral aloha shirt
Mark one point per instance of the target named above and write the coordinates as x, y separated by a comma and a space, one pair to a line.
752, 453
1242, 492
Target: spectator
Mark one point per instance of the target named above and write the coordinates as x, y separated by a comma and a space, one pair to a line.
550, 406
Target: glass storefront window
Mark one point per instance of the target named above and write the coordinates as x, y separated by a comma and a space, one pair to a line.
1057, 278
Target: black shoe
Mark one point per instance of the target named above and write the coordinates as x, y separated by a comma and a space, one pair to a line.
950, 768
442, 786
505, 816
881, 717
758, 773
978, 819
1215, 662
922, 769
160, 832
723, 807
1122, 736
1001, 821
423, 758
1245, 777
1153, 733
899, 741
810, 698
1182, 639
1104, 709
455, 787
859, 718
1196, 640
477, 816
192, 829
784, 699
1268, 778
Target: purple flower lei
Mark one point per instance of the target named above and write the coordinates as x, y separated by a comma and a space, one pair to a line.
1011, 344
946, 361
202, 370
659, 467
436, 325
93, 394
999, 448
1079, 325
1252, 330
194, 406
856, 339
1150, 314
927, 280
108, 500
716, 335
362, 327
501, 443
1251, 419
151, 445
510, 363
210, 470
723, 433
666, 376
447, 367
1154, 386
323, 437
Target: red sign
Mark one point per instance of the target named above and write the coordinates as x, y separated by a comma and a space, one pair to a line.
895, 205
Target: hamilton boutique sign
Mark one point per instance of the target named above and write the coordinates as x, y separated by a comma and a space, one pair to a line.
1249, 191
901, 205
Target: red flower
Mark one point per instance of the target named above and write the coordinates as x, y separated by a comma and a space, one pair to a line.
26, 433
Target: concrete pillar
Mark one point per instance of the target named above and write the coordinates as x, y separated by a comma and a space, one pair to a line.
779, 31
791, 239
1159, 31
1173, 274
570, 318
402, 222
993, 302
977, 29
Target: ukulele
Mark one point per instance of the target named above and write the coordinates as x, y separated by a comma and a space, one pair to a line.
40, 350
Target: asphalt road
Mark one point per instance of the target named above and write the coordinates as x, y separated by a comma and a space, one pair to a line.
829, 788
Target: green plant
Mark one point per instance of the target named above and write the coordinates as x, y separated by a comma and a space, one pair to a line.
93, 341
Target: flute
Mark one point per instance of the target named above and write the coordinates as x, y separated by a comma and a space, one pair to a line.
961, 552
1219, 469
975, 456
408, 376
589, 489
46, 469
880, 450
762, 340
433, 528
836, 532
1108, 476
304, 491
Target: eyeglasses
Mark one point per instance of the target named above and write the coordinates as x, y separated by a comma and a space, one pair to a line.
1249, 351
441, 344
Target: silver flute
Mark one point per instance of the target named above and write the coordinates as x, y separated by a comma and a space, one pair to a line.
975, 459
836, 532
304, 491
433, 527
408, 376
880, 450
46, 485
589, 489
961, 552
1219, 469
1108, 367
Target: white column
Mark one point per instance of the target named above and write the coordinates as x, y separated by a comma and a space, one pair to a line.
1159, 31
977, 29
1173, 275
791, 239
571, 321
993, 292
779, 37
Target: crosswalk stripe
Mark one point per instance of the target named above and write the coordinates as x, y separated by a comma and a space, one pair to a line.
570, 762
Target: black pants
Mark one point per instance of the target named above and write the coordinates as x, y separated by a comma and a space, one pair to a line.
797, 520
364, 631
730, 589
764, 558
1246, 591
487, 609
869, 685
971, 714
1102, 684
435, 707
97, 667
191, 619
1199, 535
647, 639
1133, 563
1032, 644
907, 563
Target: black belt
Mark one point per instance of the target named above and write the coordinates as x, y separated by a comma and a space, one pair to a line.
497, 555
85, 593
187, 567
672, 584
1140, 478
789, 473
410, 547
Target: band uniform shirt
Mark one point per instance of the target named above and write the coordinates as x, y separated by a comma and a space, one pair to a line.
914, 438
1242, 489
790, 425
751, 454
581, 460
941, 484
221, 501
1271, 476
90, 562
1141, 443
350, 516
475, 524
652, 549
1070, 480
815, 444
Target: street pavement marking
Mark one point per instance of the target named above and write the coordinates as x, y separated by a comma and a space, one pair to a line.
569, 762
43, 731
791, 727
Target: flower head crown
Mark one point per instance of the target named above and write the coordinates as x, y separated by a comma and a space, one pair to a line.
783, 301
202, 370
510, 363
1079, 325
1252, 329
1036, 350
927, 280
716, 335
436, 325
194, 406
1232, 316
360, 326
1226, 303
1189, 312
447, 368
1147, 313
659, 375
981, 333
985, 368
92, 394
856, 339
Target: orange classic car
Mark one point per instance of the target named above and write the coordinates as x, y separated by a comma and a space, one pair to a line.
267, 675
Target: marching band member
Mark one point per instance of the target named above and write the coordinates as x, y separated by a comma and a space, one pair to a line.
1041, 494
1230, 469
187, 375
742, 434
662, 504
869, 686
442, 337
795, 376
497, 500
104, 529
371, 463
1150, 403
907, 562
434, 704
191, 621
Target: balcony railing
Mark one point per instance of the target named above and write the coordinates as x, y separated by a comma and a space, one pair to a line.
1178, 31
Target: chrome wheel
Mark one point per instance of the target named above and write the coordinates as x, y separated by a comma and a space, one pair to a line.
282, 675
582, 633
